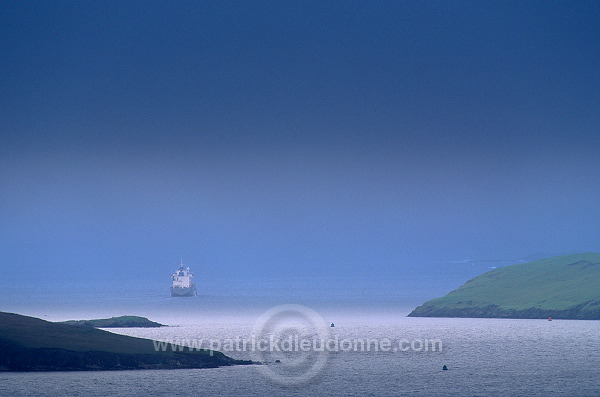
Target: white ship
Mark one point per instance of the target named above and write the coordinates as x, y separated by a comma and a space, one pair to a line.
182, 282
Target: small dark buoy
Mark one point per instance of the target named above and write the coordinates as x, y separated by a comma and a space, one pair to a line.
549, 318
332, 325
444, 368
277, 361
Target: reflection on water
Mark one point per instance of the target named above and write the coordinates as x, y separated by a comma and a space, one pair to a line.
484, 356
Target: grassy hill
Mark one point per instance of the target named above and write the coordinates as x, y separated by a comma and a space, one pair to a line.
116, 322
565, 287
32, 344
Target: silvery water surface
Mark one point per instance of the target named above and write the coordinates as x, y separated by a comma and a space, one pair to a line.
502, 357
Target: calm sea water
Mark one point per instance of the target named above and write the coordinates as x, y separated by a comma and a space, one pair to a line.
485, 357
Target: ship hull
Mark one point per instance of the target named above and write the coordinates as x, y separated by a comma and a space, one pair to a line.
183, 291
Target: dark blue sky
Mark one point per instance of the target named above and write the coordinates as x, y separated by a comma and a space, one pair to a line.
296, 137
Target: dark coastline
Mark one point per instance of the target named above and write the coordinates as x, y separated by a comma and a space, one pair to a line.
494, 311
32, 344
116, 322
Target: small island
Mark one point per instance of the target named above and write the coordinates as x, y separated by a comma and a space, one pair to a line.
32, 344
562, 287
116, 322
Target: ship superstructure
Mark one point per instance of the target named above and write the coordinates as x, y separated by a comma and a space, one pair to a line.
183, 284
